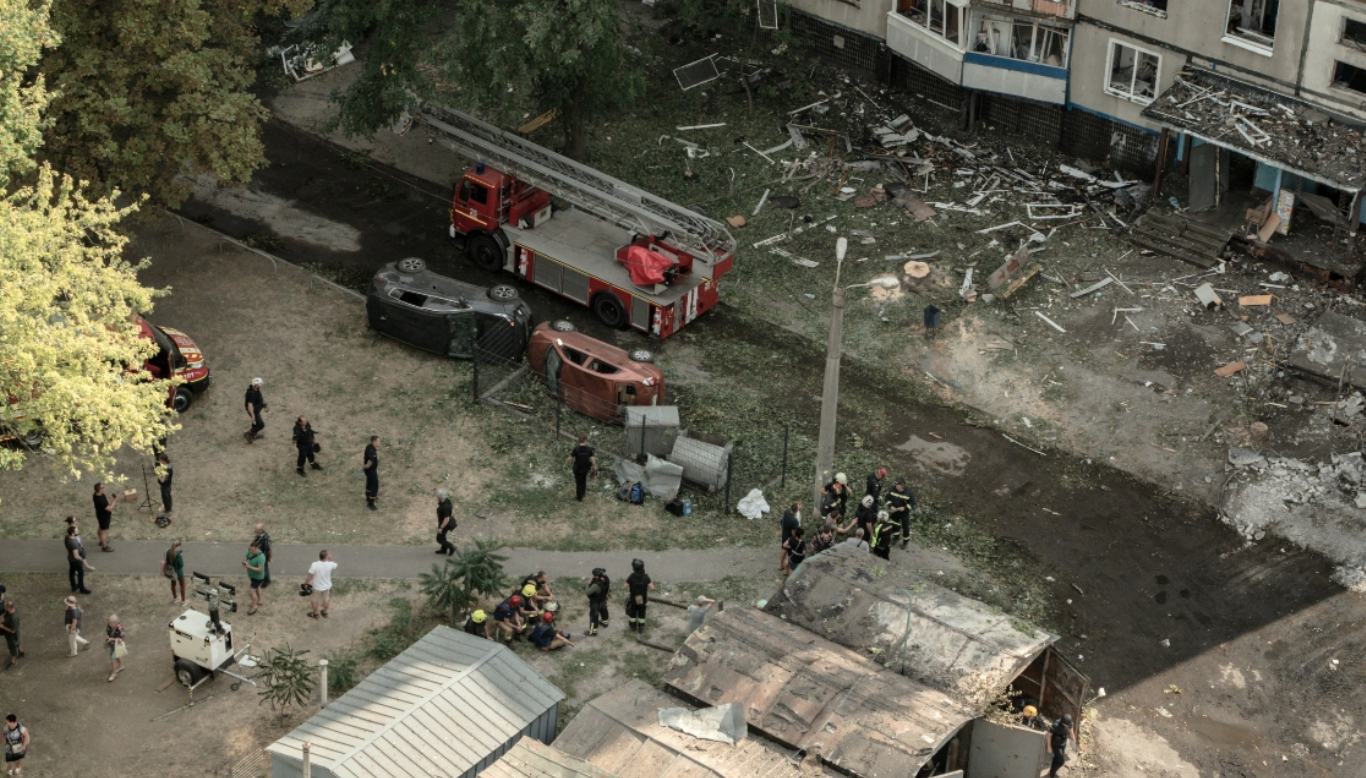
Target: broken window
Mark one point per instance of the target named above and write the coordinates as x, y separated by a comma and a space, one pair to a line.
1132, 73
1157, 7
944, 18
1354, 34
1253, 20
1025, 40
1349, 77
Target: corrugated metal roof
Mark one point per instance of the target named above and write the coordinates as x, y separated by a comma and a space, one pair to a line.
620, 732
533, 759
436, 709
951, 642
806, 692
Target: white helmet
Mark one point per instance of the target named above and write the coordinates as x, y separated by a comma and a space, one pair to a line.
842, 478
442, 494
256, 382
883, 515
868, 501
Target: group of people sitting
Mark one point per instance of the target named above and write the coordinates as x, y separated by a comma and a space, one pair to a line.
527, 614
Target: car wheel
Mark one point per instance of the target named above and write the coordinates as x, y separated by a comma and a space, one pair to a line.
609, 310
33, 439
412, 265
641, 355
485, 252
563, 325
502, 293
188, 673
182, 399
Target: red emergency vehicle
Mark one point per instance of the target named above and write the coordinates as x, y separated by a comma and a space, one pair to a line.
637, 260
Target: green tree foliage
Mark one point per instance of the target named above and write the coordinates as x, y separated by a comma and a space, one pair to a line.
24, 33
148, 89
287, 678
453, 585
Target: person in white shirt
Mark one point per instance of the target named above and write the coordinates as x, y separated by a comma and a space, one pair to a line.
857, 541
320, 578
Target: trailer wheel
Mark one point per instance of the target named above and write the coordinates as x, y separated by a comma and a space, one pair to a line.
188, 673
182, 399
641, 355
563, 325
502, 293
485, 252
412, 265
609, 310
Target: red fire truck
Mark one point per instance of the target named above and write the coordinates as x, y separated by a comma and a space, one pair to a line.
637, 260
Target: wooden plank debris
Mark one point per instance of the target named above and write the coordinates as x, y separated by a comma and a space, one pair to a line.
1101, 284
1050, 322
1248, 301
1230, 369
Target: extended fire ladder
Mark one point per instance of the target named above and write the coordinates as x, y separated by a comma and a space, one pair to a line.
626, 206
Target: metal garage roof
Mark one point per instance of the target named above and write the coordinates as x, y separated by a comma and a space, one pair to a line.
917, 627
620, 732
805, 691
437, 709
532, 759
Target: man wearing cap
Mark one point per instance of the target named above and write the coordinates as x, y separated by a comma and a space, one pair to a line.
873, 488
835, 496
597, 601
445, 522
254, 404
1059, 735
900, 501
477, 624
546, 638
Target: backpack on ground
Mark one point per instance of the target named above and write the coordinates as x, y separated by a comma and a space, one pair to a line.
637, 494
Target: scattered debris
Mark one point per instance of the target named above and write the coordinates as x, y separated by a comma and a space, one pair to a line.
1208, 297
736, 221
1248, 301
1230, 369
1101, 284
1050, 322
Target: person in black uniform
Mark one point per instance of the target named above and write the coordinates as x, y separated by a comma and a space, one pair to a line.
884, 532
370, 466
164, 480
900, 501
873, 487
638, 586
445, 522
255, 404
477, 624
584, 463
104, 514
1058, 736
597, 600
303, 441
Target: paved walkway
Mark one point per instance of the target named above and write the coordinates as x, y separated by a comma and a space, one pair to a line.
28, 555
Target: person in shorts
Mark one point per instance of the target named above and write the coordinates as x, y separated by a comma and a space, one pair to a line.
104, 514
256, 574
320, 578
16, 744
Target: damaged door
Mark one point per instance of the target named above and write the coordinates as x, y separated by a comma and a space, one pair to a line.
1004, 751
1202, 176
1064, 689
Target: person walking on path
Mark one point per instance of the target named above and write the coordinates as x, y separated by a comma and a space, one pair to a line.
255, 405
445, 522
873, 486
370, 466
794, 550
304, 442
76, 563
9, 625
16, 744
792, 519
320, 578
697, 612
113, 638
263, 542
164, 479
597, 600
173, 568
638, 587
1059, 735
585, 461
104, 514
900, 501
255, 563
72, 619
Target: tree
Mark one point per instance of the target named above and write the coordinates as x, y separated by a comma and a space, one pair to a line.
147, 90
286, 679
24, 35
452, 586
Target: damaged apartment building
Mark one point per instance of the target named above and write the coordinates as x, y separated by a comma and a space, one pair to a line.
1123, 80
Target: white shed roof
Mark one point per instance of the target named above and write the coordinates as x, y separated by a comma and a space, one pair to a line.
437, 709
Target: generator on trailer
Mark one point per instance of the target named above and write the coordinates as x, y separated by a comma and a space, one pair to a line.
637, 260
202, 645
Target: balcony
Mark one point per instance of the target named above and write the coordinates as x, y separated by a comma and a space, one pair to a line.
930, 34
1062, 9
1015, 77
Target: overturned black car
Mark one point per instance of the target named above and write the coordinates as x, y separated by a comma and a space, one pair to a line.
411, 304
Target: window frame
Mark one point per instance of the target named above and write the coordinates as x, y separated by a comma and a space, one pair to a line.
1039, 32
1143, 7
1334, 83
1133, 75
1345, 40
1249, 40
960, 7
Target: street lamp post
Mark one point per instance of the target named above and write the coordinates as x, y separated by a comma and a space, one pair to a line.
830, 390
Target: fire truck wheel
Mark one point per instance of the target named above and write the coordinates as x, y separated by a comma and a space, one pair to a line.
412, 265
502, 293
181, 401
188, 673
563, 325
485, 253
609, 310
641, 355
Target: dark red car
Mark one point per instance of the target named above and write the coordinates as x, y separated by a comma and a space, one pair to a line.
593, 377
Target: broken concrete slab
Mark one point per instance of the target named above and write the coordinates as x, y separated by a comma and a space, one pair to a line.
1207, 296
1332, 351
1243, 457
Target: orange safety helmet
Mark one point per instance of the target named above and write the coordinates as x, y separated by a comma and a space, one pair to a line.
547, 617
515, 600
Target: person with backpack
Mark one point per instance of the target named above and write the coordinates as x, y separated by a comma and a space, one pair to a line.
638, 587
16, 744
173, 567
1058, 736
597, 601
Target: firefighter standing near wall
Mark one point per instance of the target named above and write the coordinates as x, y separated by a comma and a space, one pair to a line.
638, 586
899, 501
